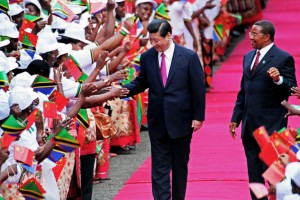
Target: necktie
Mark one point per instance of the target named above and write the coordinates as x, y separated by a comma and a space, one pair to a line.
256, 61
163, 69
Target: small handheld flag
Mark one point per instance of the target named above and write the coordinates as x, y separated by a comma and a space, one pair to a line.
12, 126
162, 12
43, 84
50, 109
61, 10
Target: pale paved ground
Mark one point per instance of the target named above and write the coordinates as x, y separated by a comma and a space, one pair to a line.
121, 168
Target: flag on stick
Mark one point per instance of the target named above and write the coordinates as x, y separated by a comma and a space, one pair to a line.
3, 79
162, 12
43, 84
82, 118
29, 21
50, 109
32, 189
4, 6
95, 7
62, 11
261, 136
23, 155
59, 99
12, 126
73, 67
65, 141
275, 173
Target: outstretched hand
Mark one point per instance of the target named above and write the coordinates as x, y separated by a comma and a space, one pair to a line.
296, 92
118, 91
121, 74
67, 124
101, 60
88, 89
291, 109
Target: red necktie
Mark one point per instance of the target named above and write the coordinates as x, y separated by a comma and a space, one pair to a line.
256, 61
163, 69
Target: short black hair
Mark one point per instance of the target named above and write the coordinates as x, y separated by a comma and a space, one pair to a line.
160, 25
267, 28
39, 67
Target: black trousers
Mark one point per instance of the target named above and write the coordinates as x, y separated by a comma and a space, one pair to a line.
169, 155
87, 173
255, 165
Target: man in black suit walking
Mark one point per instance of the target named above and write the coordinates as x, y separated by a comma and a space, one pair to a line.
176, 107
268, 76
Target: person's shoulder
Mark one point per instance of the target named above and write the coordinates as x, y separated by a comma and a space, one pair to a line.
281, 51
252, 52
185, 50
149, 52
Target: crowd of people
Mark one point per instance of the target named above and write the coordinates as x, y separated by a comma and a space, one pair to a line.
63, 68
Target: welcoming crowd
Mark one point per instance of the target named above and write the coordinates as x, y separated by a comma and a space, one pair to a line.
62, 67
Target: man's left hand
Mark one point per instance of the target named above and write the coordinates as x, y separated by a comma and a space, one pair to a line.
274, 74
196, 125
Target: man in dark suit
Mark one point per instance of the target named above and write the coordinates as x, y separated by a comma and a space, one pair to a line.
268, 76
176, 107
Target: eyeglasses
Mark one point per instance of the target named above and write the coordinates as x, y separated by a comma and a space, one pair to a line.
252, 34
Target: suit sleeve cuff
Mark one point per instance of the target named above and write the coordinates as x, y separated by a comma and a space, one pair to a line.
280, 81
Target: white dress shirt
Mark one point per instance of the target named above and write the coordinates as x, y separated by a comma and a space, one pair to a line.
263, 52
168, 56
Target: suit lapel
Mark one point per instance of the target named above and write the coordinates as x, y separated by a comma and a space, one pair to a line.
265, 60
174, 63
156, 68
248, 62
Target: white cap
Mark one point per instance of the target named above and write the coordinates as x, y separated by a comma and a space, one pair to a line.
26, 59
15, 9
4, 108
292, 171
82, 22
292, 197
34, 95
146, 1
283, 188
58, 23
85, 16
7, 63
64, 49
46, 42
76, 9
7, 27
119, 1
4, 42
48, 28
77, 32
21, 96
23, 79
103, 1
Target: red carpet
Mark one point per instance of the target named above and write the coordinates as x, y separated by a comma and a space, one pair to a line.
217, 168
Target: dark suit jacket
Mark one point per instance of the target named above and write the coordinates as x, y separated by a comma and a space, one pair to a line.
258, 101
172, 108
